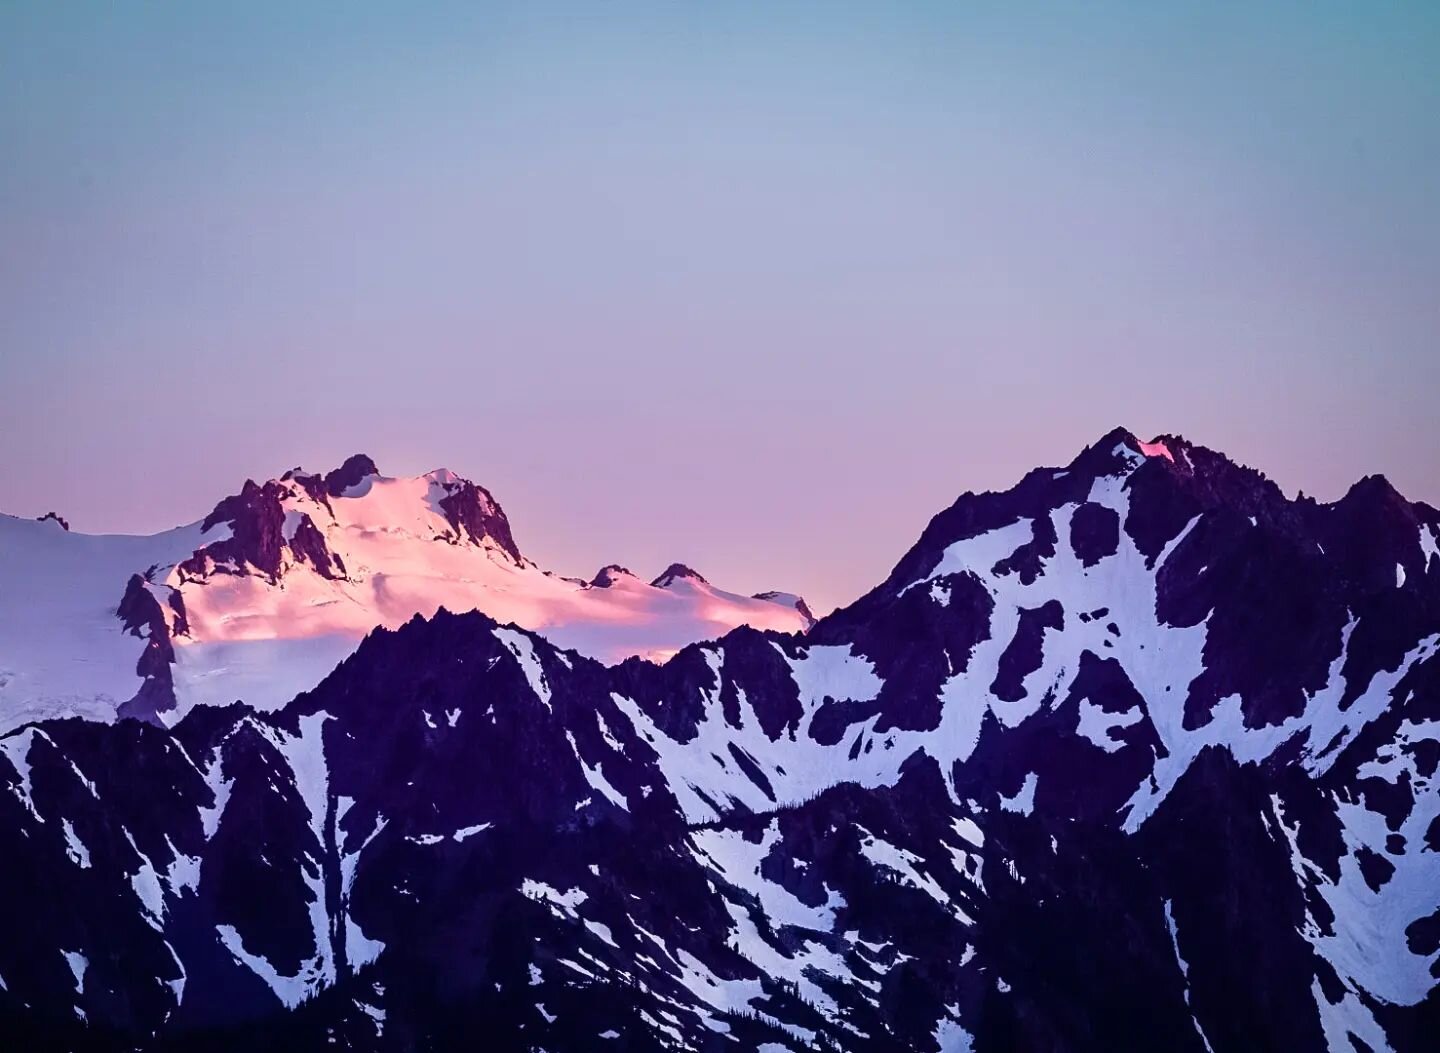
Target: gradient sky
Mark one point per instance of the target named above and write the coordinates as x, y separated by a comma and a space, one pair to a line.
756, 287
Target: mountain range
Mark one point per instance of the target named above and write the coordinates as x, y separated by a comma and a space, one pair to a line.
1139, 754
279, 582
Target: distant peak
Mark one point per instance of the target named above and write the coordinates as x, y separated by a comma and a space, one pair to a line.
1100, 456
1115, 437
56, 517
1373, 491
1164, 445
356, 469
676, 572
608, 575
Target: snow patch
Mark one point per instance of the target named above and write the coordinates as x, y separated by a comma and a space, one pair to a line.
523, 648
1024, 800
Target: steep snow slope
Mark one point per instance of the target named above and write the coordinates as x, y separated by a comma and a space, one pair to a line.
63, 651
281, 581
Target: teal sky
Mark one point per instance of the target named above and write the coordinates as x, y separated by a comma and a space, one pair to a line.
757, 287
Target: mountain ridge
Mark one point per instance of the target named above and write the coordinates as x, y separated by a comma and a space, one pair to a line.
1106, 705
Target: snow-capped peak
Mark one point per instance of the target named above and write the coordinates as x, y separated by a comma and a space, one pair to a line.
677, 572
444, 476
280, 580
611, 574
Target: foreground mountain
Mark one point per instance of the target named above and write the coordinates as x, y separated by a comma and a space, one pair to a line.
279, 582
1137, 755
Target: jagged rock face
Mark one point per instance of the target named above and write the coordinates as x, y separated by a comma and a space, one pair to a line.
473, 514
308, 545
256, 519
1136, 755
143, 616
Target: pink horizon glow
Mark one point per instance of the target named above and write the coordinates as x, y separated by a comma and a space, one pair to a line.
758, 291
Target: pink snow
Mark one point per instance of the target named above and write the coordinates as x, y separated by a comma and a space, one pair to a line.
63, 651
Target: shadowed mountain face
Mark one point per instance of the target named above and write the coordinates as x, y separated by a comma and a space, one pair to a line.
1136, 755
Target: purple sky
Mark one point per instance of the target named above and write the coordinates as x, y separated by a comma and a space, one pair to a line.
758, 290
